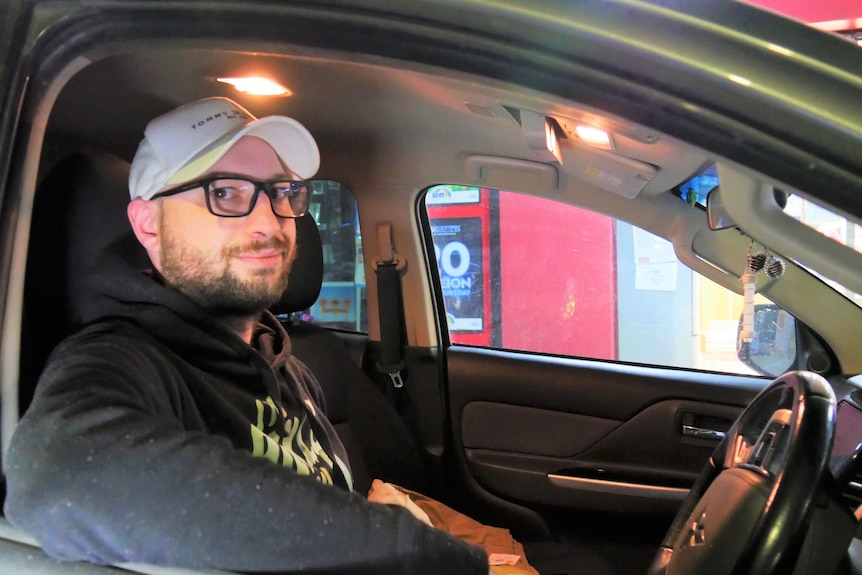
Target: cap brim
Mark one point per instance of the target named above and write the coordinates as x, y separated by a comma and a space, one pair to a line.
293, 143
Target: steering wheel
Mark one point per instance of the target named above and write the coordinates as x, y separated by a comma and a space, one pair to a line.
748, 510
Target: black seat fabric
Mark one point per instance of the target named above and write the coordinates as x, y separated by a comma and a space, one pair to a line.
379, 443
79, 209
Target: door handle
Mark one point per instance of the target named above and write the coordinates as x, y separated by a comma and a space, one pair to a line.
702, 432
703, 426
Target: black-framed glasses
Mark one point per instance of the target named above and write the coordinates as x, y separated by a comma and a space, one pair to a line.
233, 197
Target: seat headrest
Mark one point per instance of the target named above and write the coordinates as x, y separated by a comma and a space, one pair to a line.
80, 209
306, 275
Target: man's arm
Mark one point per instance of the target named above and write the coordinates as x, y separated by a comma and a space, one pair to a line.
101, 469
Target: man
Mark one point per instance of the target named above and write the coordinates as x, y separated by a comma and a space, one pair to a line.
175, 428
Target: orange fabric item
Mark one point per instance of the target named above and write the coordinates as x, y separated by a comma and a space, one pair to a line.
495, 540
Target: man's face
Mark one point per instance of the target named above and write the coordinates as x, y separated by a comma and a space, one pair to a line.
229, 266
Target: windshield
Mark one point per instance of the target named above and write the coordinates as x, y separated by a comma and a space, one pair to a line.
831, 225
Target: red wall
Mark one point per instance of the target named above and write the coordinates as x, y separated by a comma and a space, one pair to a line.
558, 287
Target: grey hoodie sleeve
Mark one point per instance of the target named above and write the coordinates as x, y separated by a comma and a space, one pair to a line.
100, 469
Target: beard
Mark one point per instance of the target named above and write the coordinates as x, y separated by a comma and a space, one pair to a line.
208, 280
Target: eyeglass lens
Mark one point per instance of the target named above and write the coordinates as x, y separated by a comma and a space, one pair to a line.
234, 197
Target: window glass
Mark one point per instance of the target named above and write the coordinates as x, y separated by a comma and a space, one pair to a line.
342, 303
831, 225
525, 273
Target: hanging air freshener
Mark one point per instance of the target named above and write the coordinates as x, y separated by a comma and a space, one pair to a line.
754, 265
749, 283
764, 263
775, 268
756, 262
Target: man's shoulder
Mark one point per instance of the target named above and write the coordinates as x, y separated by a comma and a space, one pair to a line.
115, 336
116, 351
110, 327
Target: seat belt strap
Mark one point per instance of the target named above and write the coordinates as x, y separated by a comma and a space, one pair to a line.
388, 268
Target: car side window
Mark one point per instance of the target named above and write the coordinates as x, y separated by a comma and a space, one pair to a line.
524, 273
342, 301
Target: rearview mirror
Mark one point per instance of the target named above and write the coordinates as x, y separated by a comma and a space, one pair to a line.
716, 215
772, 350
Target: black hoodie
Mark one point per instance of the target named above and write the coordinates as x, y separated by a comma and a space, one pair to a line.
157, 435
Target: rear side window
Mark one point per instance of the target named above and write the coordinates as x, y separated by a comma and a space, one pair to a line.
342, 302
524, 273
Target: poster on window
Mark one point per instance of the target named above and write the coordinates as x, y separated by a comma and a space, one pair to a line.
655, 262
458, 248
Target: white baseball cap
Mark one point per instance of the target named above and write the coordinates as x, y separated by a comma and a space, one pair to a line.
184, 143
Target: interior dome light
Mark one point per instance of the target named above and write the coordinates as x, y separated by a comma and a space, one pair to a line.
257, 86
595, 137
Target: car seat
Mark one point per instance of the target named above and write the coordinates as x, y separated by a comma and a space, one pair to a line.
80, 210
365, 419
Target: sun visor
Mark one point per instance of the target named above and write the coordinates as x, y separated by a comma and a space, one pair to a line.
608, 171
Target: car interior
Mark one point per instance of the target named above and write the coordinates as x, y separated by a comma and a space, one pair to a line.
589, 460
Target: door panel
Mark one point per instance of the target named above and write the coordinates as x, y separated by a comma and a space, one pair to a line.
586, 435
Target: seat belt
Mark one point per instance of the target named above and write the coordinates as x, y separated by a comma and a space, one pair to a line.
390, 308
